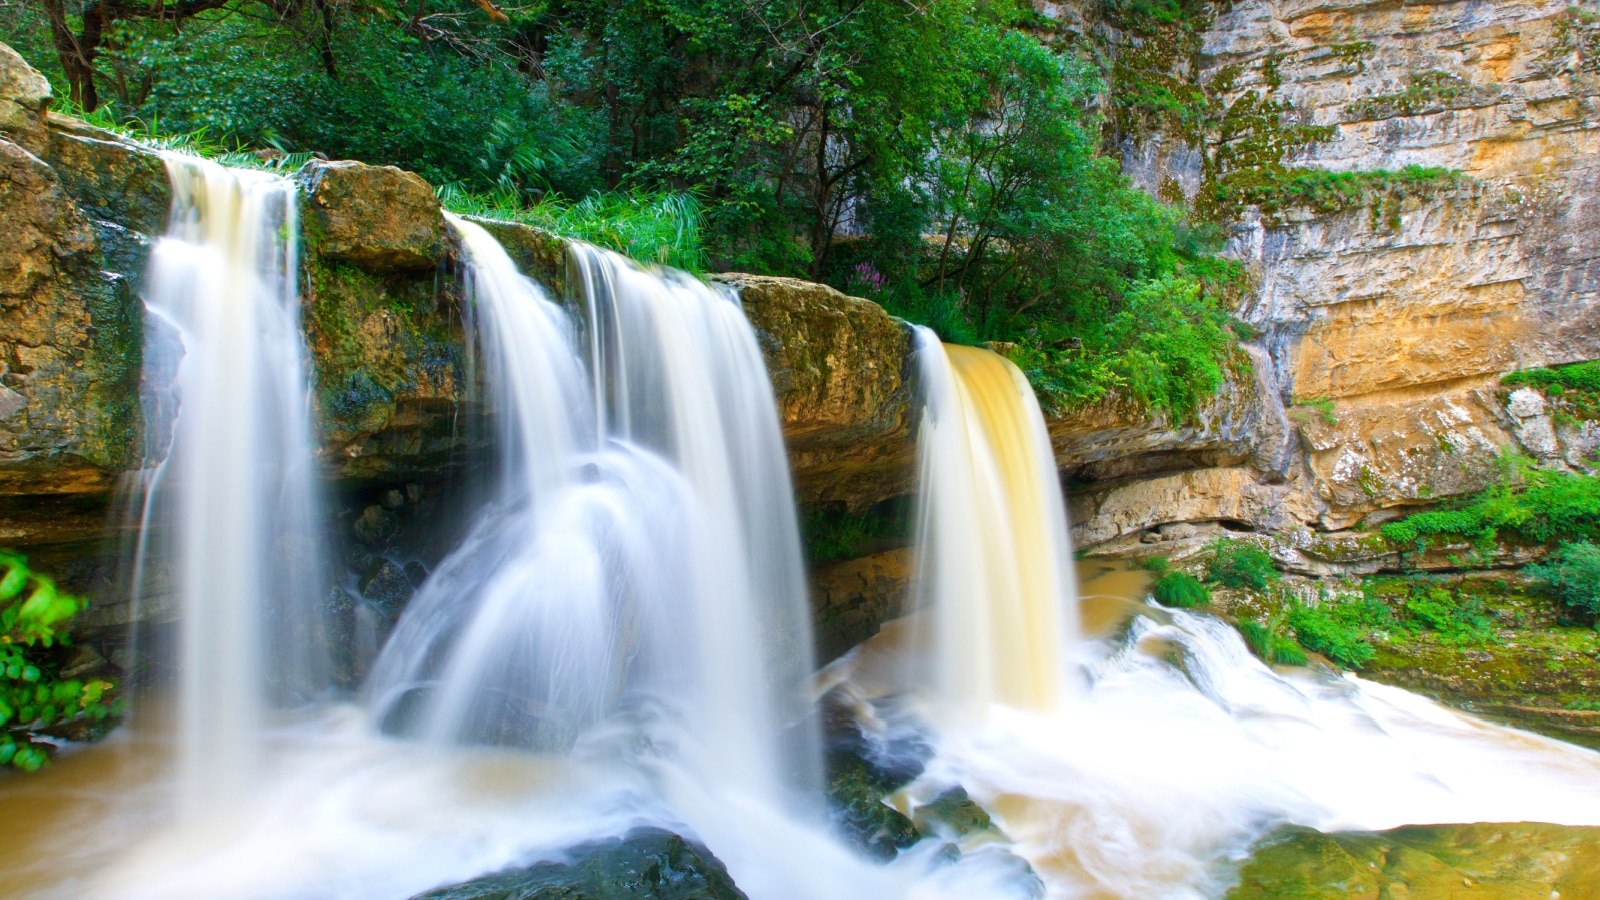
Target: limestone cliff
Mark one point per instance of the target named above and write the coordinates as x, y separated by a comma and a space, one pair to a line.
1388, 313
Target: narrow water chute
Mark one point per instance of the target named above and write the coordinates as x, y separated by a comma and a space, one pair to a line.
233, 499
995, 592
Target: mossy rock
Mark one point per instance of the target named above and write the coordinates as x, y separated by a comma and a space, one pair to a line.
1425, 861
647, 864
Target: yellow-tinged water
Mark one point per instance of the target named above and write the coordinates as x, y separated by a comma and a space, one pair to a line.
1023, 597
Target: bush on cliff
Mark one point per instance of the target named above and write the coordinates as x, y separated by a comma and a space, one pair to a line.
1241, 565
1527, 504
1572, 574
34, 698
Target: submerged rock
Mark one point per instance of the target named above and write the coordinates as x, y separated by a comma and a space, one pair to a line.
862, 770
647, 864
1492, 861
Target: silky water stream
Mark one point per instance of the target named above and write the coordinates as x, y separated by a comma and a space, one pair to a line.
621, 639
1165, 747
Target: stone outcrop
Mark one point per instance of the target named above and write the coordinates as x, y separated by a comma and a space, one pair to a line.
841, 369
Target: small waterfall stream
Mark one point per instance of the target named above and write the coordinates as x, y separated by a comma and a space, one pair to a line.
994, 559
232, 503
642, 557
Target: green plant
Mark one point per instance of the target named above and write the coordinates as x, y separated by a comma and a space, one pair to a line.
835, 533
1240, 564
1339, 631
1572, 574
1527, 503
33, 698
1455, 617
1180, 589
1322, 405
1270, 643
661, 227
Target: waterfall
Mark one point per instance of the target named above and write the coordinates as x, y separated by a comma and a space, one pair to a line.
641, 561
232, 499
994, 558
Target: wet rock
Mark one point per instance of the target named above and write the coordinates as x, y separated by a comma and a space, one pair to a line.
862, 769
647, 864
69, 357
1486, 860
388, 589
378, 217
953, 815
851, 599
374, 525
416, 573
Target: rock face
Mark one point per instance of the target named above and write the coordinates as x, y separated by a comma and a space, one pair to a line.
71, 341
841, 368
1399, 314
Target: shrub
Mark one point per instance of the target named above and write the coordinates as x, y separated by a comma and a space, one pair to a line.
1237, 564
1529, 504
1339, 630
1572, 574
1272, 645
1454, 617
1180, 589
33, 698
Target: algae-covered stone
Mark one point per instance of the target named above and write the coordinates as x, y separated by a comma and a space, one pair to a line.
378, 217
647, 864
1492, 861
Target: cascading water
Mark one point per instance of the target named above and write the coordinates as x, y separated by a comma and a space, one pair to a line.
643, 557
993, 556
1152, 756
232, 499
631, 608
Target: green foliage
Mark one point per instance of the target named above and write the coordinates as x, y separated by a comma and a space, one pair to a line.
1180, 589
1322, 406
1424, 92
660, 227
831, 534
1455, 617
1240, 564
960, 152
1572, 574
1527, 504
33, 698
1270, 643
1339, 631
1584, 376
1276, 189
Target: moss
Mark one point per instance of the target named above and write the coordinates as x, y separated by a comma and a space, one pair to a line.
1512, 860
1425, 92
1275, 190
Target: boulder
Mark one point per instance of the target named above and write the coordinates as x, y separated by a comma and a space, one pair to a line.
378, 217
24, 99
850, 599
841, 369
646, 864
